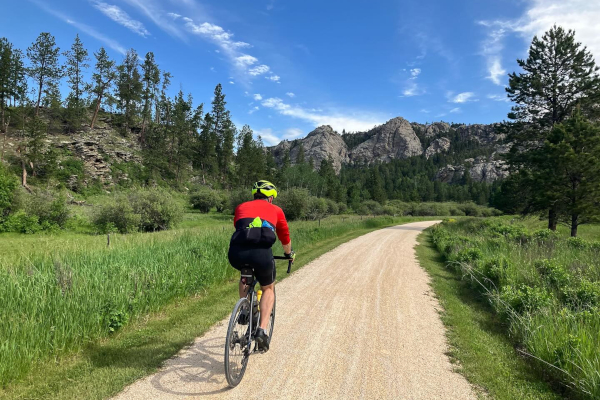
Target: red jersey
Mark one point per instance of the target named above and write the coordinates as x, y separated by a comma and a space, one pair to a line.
265, 211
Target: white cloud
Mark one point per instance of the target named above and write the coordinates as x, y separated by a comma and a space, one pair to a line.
415, 72
338, 121
463, 97
267, 136
257, 97
497, 97
255, 109
121, 17
425, 111
88, 30
153, 11
245, 60
290, 94
259, 70
231, 82
173, 15
292, 133
411, 87
580, 15
274, 78
496, 71
216, 34
455, 110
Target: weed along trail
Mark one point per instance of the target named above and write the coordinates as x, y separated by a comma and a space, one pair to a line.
358, 322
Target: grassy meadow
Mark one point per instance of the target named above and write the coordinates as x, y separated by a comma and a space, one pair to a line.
544, 286
64, 291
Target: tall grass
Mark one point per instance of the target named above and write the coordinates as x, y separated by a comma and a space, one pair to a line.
60, 293
547, 286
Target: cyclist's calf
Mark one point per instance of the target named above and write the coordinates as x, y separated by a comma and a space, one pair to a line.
266, 304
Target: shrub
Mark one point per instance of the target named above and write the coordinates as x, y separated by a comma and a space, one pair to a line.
370, 207
343, 208
222, 201
294, 203
332, 207
21, 222
51, 208
117, 215
316, 208
555, 274
157, 208
238, 197
585, 294
470, 209
8, 188
577, 243
204, 199
525, 298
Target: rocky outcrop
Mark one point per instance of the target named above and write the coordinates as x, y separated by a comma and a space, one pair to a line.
484, 134
441, 145
394, 139
481, 170
320, 144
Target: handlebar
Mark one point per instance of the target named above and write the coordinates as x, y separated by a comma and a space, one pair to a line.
290, 262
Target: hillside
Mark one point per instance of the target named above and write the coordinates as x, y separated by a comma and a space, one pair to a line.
399, 139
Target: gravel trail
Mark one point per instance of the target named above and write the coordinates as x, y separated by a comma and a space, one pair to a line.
359, 322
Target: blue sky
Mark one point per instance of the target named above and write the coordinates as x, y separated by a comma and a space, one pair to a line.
289, 66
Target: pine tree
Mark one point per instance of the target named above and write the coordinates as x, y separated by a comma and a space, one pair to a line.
300, 158
103, 78
44, 69
151, 80
6, 86
559, 74
77, 63
224, 130
129, 89
573, 148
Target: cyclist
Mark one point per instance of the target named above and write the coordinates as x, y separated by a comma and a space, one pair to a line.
257, 223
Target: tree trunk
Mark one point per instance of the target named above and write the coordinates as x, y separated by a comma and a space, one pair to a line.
24, 176
37, 106
96, 111
574, 224
552, 218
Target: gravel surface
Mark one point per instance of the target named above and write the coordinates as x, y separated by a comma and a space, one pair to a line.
359, 322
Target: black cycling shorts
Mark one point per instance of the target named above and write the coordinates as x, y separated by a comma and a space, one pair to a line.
259, 259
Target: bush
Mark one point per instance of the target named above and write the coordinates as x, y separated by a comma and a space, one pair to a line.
117, 216
143, 209
238, 197
8, 188
21, 222
51, 208
370, 207
343, 208
332, 207
204, 199
316, 208
294, 203
222, 201
157, 208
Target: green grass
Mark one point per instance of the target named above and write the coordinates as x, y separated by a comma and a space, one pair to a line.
157, 291
544, 287
478, 341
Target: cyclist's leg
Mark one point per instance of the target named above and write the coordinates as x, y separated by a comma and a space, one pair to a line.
266, 277
236, 256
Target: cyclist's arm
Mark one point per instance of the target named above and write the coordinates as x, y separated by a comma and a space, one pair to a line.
283, 232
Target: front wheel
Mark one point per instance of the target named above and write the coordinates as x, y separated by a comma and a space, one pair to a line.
237, 344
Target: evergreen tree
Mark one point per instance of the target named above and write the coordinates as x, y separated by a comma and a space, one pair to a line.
44, 69
559, 74
300, 158
224, 131
129, 89
151, 80
6, 84
102, 78
250, 158
573, 147
77, 63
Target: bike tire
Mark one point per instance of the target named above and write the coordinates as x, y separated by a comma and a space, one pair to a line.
237, 351
271, 324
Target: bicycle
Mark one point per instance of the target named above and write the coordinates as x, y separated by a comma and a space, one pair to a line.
240, 336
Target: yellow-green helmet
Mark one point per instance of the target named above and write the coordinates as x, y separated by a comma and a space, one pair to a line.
266, 188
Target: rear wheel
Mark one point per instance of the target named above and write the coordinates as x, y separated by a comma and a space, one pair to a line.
237, 344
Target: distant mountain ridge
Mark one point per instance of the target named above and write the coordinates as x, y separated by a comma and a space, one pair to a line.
401, 139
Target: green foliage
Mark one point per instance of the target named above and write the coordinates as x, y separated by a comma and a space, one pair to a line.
49, 207
294, 203
21, 222
8, 187
117, 215
545, 286
316, 208
204, 199
237, 197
